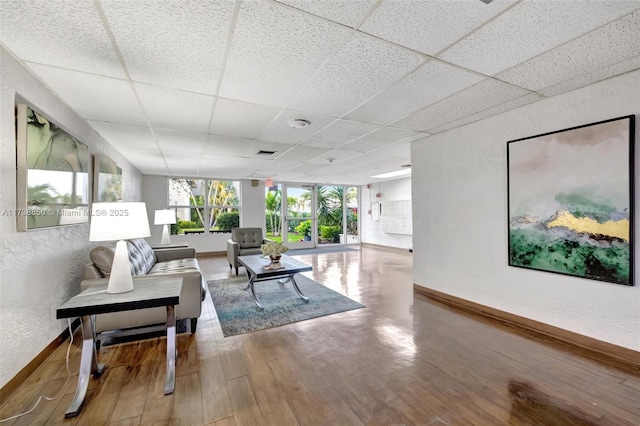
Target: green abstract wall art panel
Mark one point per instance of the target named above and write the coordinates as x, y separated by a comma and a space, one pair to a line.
52, 173
570, 201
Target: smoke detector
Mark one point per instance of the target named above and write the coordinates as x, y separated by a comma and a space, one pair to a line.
299, 123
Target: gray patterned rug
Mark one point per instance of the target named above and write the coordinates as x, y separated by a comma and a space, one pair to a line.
239, 314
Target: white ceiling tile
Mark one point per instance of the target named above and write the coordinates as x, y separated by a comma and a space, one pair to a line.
334, 157
287, 177
379, 138
245, 120
530, 28
363, 67
483, 95
613, 43
145, 155
399, 152
277, 166
349, 13
154, 168
302, 153
592, 77
67, 34
428, 84
188, 142
307, 168
274, 51
339, 133
227, 162
125, 135
242, 147
498, 109
169, 43
429, 26
100, 98
280, 131
176, 109
182, 160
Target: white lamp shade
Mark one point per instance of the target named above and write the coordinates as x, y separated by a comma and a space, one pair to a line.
164, 217
118, 221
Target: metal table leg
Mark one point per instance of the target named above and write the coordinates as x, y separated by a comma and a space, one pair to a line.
253, 291
295, 286
170, 380
88, 364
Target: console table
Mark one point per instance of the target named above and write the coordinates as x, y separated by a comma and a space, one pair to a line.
149, 293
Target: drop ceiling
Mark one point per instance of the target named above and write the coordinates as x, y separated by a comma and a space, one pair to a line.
197, 88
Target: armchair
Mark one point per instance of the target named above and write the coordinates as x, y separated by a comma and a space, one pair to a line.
243, 242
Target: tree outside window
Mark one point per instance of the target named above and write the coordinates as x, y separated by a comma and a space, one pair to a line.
204, 205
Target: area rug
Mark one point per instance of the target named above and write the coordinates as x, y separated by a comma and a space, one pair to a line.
238, 312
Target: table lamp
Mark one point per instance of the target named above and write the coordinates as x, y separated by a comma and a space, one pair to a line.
119, 222
165, 217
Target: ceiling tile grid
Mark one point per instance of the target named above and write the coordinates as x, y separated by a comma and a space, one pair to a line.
593, 77
125, 135
429, 26
529, 29
169, 43
430, 83
480, 97
91, 96
279, 129
241, 119
59, 33
349, 13
363, 67
361, 72
608, 45
274, 51
176, 109
339, 133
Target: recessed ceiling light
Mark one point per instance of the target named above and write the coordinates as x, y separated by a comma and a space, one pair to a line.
299, 123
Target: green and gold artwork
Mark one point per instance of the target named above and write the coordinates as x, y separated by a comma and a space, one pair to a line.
570, 201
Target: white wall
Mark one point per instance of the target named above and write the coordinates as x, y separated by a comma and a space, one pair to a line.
39, 269
371, 231
156, 194
460, 210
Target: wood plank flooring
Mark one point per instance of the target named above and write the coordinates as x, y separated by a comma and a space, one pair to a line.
402, 360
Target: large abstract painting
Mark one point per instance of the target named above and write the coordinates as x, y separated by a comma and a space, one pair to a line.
52, 173
570, 201
107, 180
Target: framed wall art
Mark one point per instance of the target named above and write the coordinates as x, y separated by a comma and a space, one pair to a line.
107, 180
570, 201
52, 173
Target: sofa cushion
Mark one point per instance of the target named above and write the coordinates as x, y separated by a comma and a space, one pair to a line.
176, 265
141, 256
247, 237
102, 257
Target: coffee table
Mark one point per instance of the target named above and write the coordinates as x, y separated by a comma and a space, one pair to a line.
146, 293
254, 264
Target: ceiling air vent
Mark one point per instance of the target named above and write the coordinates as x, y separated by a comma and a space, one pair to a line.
406, 165
263, 152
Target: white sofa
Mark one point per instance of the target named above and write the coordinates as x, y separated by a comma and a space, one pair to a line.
146, 263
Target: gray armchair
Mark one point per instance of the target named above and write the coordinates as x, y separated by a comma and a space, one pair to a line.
243, 242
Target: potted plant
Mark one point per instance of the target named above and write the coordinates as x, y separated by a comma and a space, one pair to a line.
274, 250
304, 229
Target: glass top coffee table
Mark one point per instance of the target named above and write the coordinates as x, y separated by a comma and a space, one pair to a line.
290, 267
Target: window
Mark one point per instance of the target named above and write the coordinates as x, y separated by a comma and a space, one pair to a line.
197, 202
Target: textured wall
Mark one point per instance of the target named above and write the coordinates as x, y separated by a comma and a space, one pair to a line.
371, 232
39, 269
460, 207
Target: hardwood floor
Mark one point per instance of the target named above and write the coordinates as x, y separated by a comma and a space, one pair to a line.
402, 360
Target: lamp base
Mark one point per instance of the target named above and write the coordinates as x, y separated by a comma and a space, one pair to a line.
120, 280
165, 235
